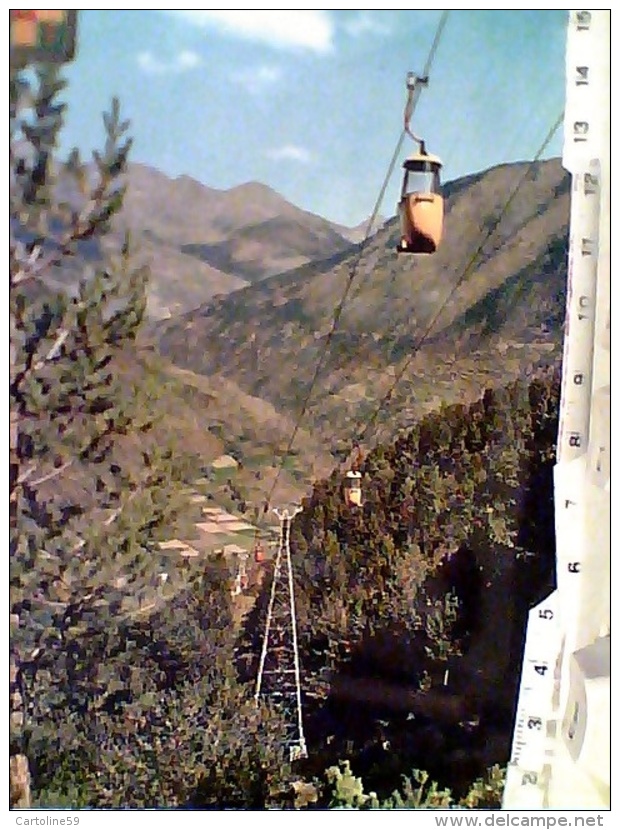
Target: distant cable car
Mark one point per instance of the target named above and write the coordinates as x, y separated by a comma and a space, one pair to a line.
421, 204
353, 488
259, 552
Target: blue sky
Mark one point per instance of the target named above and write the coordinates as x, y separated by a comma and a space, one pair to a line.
311, 102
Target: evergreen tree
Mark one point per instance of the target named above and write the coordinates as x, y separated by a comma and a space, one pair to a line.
88, 494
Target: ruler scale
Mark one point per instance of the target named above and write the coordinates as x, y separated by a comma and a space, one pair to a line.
561, 744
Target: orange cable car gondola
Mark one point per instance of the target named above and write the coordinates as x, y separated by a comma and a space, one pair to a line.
421, 204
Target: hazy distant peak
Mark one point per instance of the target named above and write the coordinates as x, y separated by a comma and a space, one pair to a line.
259, 194
359, 232
189, 186
255, 187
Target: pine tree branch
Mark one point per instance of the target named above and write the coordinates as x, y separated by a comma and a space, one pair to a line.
51, 475
85, 226
54, 351
22, 478
109, 520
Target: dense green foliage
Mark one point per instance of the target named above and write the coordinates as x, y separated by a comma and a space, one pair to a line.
462, 476
415, 794
122, 691
411, 609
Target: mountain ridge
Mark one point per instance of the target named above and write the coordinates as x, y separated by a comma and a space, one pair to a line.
505, 242
202, 242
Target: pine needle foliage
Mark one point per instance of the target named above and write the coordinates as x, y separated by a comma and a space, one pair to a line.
88, 492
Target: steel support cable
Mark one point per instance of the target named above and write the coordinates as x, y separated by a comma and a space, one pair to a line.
394, 340
353, 269
414, 93
468, 268
335, 322
448, 153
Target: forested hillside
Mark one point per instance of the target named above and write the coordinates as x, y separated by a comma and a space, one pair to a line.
434, 573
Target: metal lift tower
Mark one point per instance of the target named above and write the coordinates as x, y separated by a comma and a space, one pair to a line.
278, 680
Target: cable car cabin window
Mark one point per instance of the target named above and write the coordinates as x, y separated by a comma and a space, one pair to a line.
421, 181
421, 206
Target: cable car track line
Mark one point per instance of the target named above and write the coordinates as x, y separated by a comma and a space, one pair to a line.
355, 265
468, 268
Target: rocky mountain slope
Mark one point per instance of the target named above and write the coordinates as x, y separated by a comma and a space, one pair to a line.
201, 242
489, 303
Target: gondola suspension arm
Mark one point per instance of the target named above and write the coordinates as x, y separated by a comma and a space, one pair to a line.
415, 84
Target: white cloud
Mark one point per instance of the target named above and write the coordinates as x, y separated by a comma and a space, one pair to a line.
148, 63
305, 29
256, 79
365, 23
188, 60
290, 152
153, 65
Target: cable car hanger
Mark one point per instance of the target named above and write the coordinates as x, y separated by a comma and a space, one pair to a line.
414, 82
421, 207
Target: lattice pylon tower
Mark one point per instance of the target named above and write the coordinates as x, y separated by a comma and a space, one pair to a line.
278, 681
